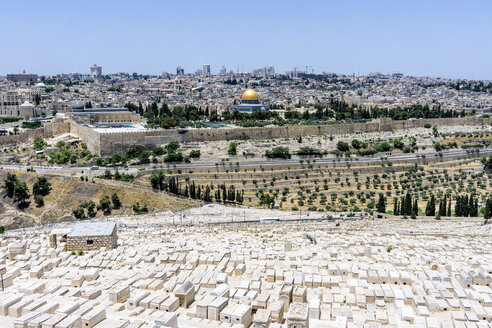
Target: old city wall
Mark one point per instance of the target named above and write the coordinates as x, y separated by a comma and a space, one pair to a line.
266, 133
105, 143
111, 143
120, 142
48, 130
90, 137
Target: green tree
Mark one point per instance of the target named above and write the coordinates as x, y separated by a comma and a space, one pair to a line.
79, 212
172, 146
41, 187
356, 144
168, 122
157, 179
9, 184
116, 201
232, 148
278, 152
21, 192
137, 209
39, 143
343, 146
173, 157
430, 209
39, 200
381, 205
104, 204
195, 153
91, 206
397, 143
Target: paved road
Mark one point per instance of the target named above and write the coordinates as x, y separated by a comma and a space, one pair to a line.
273, 162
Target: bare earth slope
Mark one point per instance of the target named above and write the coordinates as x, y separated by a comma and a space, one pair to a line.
68, 193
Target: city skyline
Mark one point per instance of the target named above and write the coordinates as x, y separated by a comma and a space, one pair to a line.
438, 39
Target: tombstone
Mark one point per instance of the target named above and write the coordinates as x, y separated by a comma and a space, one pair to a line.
262, 319
185, 293
242, 315
286, 296
298, 316
215, 308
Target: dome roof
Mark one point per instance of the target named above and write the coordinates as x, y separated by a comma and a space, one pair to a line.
77, 106
249, 94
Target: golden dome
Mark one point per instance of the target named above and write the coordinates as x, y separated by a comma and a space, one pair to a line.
249, 94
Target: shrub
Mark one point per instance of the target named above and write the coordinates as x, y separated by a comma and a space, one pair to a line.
310, 151
41, 187
115, 200
278, 152
195, 153
398, 144
173, 157
39, 200
79, 213
137, 209
39, 143
384, 146
342, 146
104, 204
356, 144
232, 148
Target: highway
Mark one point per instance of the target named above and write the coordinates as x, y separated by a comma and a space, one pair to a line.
273, 162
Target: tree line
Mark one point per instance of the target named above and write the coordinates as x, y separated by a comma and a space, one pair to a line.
465, 206
207, 193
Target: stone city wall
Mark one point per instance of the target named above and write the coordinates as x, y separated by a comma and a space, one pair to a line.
108, 143
48, 130
120, 142
90, 137
111, 143
196, 135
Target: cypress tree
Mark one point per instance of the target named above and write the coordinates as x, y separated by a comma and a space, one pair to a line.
408, 204
430, 209
415, 209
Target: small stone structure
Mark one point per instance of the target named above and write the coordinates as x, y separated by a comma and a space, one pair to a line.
92, 236
185, 293
298, 316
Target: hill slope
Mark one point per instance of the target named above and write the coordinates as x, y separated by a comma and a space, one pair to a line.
68, 193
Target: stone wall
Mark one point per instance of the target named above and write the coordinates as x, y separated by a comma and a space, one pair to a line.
107, 143
120, 142
90, 137
48, 130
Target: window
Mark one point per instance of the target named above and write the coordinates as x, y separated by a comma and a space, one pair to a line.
90, 242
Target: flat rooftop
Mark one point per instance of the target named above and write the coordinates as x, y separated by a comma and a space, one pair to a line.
92, 229
131, 127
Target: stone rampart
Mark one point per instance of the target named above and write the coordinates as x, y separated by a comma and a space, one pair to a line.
107, 143
48, 130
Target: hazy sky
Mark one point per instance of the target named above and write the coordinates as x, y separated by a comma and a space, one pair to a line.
431, 38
